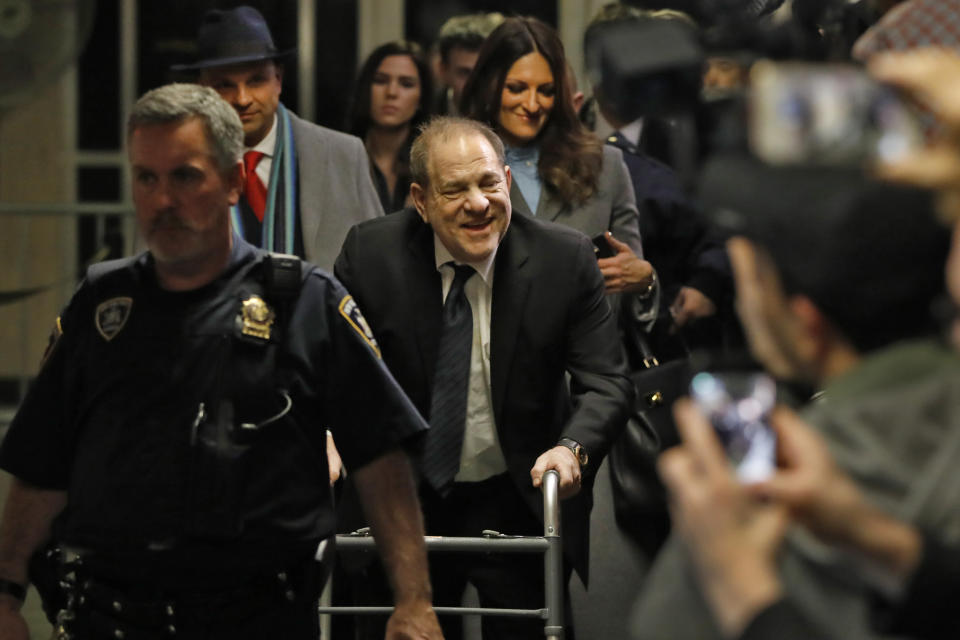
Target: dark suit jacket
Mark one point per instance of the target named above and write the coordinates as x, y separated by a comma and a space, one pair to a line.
684, 250
676, 240
549, 317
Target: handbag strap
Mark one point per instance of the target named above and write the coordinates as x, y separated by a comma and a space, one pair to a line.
643, 347
636, 338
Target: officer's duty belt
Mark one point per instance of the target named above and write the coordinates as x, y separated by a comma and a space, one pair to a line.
138, 611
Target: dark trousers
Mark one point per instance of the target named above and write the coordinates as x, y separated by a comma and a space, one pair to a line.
509, 581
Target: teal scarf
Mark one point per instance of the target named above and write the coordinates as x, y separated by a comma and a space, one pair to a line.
280, 215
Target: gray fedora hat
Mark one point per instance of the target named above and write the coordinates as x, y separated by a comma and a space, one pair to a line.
232, 36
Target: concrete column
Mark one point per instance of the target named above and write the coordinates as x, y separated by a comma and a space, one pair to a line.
573, 16
307, 59
378, 22
35, 250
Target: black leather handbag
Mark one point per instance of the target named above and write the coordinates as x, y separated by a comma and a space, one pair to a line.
639, 498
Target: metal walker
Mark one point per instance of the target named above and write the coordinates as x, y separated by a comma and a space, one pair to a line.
493, 542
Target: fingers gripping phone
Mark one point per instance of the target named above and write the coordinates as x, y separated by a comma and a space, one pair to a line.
602, 248
738, 405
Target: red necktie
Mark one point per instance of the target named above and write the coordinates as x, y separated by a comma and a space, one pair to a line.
253, 190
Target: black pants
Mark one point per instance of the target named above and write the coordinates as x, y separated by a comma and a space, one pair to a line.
510, 581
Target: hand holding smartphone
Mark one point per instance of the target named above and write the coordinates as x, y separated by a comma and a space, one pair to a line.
602, 248
738, 405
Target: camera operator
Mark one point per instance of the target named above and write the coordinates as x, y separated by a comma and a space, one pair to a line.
735, 551
690, 261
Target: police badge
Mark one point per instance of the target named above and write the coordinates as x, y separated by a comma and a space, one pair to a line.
111, 316
256, 317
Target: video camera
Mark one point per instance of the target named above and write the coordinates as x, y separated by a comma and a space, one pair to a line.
796, 113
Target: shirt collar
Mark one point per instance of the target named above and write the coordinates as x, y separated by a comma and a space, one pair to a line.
269, 142
522, 154
484, 268
632, 131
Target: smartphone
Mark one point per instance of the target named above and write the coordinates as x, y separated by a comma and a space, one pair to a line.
738, 405
826, 114
602, 248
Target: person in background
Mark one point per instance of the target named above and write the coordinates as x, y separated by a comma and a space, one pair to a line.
458, 44
390, 101
658, 136
305, 185
561, 173
695, 280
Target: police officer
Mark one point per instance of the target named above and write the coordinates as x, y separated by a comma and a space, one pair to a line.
174, 439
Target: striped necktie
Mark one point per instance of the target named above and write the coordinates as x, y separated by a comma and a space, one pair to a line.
448, 402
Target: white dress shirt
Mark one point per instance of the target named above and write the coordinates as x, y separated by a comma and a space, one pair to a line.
266, 146
481, 456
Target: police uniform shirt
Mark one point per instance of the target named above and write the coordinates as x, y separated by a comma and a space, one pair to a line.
143, 378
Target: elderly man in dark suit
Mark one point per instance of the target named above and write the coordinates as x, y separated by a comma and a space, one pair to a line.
306, 185
481, 317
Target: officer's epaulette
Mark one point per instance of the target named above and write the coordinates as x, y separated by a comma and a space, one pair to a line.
99, 269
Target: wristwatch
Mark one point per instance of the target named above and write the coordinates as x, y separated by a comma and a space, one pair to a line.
643, 295
578, 450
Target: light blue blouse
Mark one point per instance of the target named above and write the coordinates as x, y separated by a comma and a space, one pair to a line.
523, 165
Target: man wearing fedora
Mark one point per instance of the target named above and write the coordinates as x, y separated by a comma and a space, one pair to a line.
306, 185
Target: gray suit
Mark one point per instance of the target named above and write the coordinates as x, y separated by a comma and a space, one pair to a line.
335, 188
613, 207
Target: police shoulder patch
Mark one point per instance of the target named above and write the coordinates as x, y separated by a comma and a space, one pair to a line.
112, 315
351, 312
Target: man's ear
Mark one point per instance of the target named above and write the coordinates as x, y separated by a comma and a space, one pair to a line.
508, 176
817, 334
236, 178
419, 196
808, 314
278, 68
827, 350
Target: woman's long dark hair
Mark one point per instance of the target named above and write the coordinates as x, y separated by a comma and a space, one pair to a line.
570, 156
358, 116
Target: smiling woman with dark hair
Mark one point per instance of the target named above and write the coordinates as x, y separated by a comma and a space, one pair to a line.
561, 172
390, 101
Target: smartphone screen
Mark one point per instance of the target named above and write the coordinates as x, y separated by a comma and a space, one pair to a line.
602, 248
738, 405
826, 114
